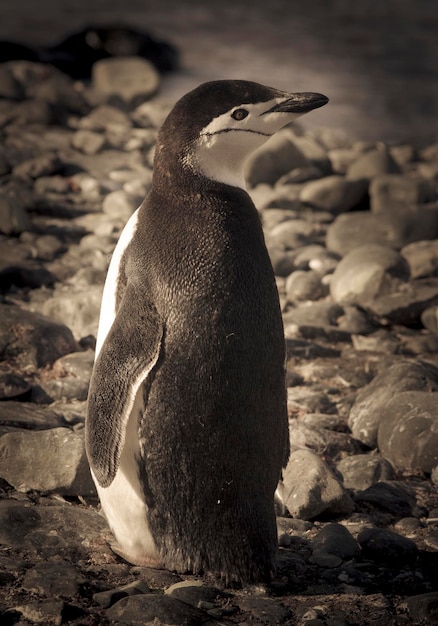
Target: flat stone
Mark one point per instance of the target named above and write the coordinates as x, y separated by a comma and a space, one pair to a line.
26, 415
55, 577
138, 610
13, 216
429, 318
45, 612
13, 386
48, 460
264, 610
76, 306
88, 141
111, 596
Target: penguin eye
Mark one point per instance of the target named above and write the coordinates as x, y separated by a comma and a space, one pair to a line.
239, 114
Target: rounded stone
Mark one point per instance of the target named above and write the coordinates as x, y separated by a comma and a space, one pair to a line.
384, 546
333, 193
132, 79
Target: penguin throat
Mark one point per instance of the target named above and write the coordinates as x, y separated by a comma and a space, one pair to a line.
221, 156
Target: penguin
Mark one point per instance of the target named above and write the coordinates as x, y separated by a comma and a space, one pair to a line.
186, 425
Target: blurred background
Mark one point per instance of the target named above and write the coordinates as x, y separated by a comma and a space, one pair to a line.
377, 60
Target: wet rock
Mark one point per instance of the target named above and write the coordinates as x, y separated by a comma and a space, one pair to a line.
422, 257
408, 431
131, 79
361, 471
366, 272
310, 488
384, 546
365, 414
28, 338
46, 460
333, 193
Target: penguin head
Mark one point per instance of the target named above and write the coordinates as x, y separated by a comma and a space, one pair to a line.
217, 126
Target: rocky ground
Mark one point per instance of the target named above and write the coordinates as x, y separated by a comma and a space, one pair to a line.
352, 230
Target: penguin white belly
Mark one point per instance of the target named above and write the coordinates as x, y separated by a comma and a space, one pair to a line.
123, 502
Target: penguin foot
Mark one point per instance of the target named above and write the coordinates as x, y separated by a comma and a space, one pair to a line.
144, 560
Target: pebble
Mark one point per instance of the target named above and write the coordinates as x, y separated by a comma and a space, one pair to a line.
352, 230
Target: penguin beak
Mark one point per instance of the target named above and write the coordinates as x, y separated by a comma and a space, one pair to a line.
299, 103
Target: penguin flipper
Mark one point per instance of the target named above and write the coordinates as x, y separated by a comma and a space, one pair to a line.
128, 355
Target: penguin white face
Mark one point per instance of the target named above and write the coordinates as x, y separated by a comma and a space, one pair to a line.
229, 139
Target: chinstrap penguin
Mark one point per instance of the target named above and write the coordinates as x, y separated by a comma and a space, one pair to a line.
186, 428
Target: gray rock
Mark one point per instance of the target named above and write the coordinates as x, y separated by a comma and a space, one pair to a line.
366, 412
47, 460
44, 165
26, 415
118, 204
321, 441
351, 230
290, 234
429, 318
384, 546
316, 257
13, 216
424, 607
408, 430
45, 612
26, 113
264, 610
388, 496
141, 609
356, 321
304, 285
132, 79
73, 377
366, 272
78, 307
310, 488
335, 539
276, 157
406, 305
300, 348
12, 386
104, 117
29, 338
341, 159
324, 313
111, 596
361, 471
380, 341
88, 141
422, 257
28, 527
54, 578
372, 164
282, 261
336, 194
391, 191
